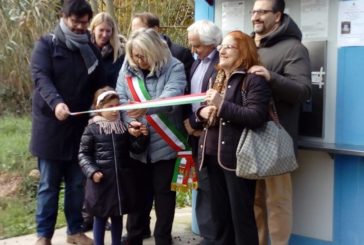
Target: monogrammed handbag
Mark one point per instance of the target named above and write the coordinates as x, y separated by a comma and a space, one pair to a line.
265, 151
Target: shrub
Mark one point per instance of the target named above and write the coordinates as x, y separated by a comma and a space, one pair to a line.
22, 22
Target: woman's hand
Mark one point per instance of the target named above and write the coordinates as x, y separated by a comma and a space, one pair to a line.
207, 111
209, 114
137, 128
137, 113
97, 176
213, 98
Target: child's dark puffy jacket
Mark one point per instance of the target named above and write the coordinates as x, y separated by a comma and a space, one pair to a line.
109, 154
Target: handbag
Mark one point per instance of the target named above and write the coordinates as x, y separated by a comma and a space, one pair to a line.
265, 151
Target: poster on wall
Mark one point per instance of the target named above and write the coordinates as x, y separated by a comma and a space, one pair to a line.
314, 19
232, 16
350, 24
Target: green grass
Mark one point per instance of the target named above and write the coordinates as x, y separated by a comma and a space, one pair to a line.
17, 212
14, 141
17, 216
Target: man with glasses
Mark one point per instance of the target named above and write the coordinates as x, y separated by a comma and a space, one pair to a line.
66, 71
286, 67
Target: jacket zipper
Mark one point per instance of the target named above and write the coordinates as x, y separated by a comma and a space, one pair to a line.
116, 174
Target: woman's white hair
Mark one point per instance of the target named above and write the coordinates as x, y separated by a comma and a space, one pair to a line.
115, 40
149, 43
208, 32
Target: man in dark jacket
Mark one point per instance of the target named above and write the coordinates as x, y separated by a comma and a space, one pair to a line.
66, 72
286, 67
203, 38
139, 223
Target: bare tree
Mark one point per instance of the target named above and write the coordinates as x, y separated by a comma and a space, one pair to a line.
110, 8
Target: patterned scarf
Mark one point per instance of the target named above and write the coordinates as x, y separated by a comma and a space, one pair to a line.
109, 127
219, 85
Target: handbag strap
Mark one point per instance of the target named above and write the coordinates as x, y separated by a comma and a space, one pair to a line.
272, 109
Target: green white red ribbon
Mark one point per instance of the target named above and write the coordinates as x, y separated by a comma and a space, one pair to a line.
171, 101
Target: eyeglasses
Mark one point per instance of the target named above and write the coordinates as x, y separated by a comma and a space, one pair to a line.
225, 46
78, 21
139, 57
260, 12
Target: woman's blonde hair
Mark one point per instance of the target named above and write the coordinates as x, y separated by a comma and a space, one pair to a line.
115, 40
151, 46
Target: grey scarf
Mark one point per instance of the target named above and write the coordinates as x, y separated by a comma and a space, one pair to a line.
75, 41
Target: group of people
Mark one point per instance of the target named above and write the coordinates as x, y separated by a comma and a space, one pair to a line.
121, 162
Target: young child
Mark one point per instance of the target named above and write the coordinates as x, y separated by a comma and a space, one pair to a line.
104, 157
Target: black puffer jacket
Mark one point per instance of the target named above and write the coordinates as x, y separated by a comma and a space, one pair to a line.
109, 154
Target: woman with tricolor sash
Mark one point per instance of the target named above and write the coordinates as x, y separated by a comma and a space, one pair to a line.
150, 72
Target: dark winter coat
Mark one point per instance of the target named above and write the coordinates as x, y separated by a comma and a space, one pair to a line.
60, 76
283, 54
112, 68
223, 138
109, 154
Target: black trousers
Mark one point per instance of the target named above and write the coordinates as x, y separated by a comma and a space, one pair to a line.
232, 203
156, 176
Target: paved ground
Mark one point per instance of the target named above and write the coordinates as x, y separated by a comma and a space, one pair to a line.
182, 234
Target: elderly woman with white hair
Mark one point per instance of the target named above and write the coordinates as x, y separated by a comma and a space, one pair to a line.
150, 72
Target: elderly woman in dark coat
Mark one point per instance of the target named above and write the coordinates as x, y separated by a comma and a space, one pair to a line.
236, 100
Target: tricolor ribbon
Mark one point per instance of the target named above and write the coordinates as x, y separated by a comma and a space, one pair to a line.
177, 140
171, 101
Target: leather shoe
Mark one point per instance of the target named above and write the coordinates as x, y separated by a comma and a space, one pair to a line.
79, 239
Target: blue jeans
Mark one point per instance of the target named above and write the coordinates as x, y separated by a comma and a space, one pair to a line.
51, 175
116, 230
